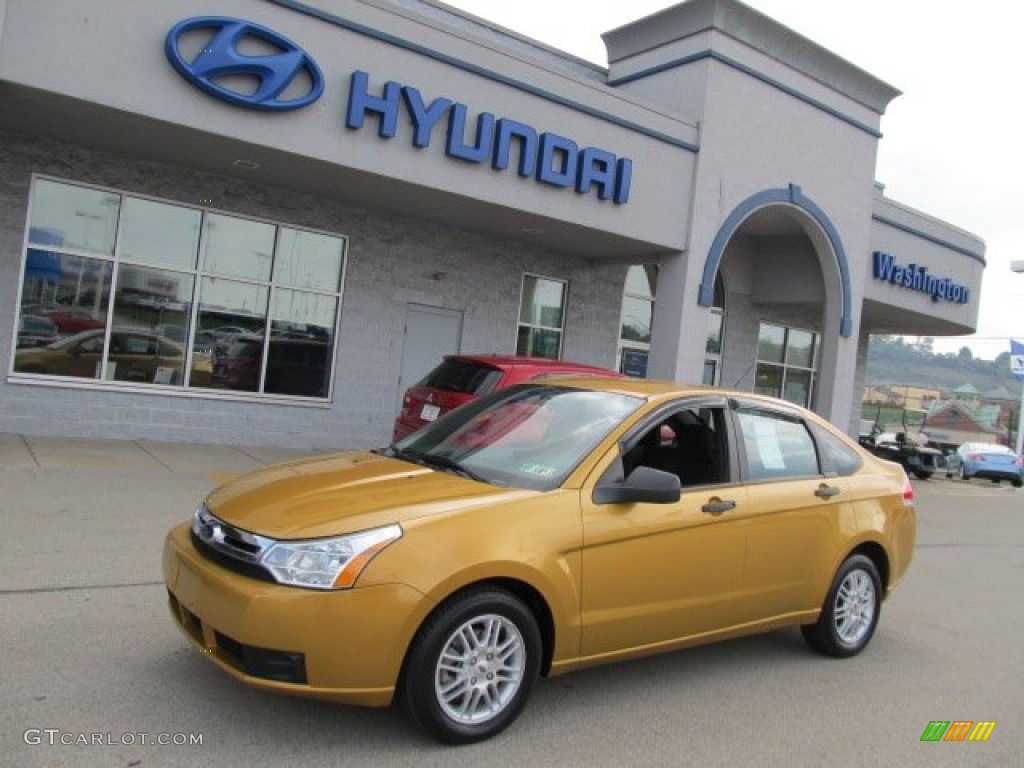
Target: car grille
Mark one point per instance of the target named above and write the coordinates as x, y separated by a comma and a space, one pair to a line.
229, 547
225, 560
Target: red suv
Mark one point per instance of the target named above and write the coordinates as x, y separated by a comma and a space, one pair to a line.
461, 378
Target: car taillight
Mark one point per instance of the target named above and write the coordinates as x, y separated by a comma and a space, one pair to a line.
908, 489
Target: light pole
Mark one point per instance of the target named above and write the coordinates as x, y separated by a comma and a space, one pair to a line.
1018, 266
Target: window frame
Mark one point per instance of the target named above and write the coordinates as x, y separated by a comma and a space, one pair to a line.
625, 345
784, 367
536, 326
716, 316
115, 261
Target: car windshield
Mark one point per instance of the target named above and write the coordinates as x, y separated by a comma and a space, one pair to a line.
530, 436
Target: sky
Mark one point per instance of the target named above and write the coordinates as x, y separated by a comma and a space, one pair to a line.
951, 144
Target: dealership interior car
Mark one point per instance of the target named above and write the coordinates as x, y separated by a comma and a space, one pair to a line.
540, 529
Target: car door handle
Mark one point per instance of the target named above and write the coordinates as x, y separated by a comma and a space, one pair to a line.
718, 507
827, 491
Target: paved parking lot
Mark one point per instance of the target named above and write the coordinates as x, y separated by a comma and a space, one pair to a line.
90, 653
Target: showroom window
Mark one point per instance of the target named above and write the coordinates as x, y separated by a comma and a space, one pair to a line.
786, 363
541, 317
637, 318
716, 328
125, 289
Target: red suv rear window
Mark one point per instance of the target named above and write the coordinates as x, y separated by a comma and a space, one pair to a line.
462, 376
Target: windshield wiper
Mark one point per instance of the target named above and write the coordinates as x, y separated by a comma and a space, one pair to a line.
435, 461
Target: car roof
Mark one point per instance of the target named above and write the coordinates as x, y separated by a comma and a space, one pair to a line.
653, 389
513, 361
973, 446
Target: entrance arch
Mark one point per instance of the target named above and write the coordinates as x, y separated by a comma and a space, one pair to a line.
787, 196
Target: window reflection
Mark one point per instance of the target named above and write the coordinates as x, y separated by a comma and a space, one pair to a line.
771, 343
794, 378
127, 314
308, 260
301, 340
542, 302
73, 218
229, 338
237, 247
800, 348
142, 357
636, 319
159, 303
714, 342
61, 296
541, 314
159, 234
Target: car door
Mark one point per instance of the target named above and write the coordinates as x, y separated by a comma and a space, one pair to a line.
131, 357
796, 505
653, 573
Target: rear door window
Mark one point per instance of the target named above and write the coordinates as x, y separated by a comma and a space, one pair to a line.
463, 376
776, 446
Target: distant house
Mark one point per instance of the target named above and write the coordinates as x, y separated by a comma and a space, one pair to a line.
952, 422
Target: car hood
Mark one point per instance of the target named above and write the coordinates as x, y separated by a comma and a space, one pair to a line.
341, 493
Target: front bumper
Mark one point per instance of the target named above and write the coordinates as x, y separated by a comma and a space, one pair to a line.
344, 646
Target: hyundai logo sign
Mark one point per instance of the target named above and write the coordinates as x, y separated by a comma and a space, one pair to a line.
220, 67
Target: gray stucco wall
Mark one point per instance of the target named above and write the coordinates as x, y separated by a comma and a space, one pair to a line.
392, 261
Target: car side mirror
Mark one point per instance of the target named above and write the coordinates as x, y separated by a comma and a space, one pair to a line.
643, 485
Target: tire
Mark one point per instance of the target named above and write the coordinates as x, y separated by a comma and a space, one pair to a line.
1017, 483
960, 473
850, 614
472, 666
923, 474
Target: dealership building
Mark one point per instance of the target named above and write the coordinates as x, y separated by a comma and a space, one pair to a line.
259, 221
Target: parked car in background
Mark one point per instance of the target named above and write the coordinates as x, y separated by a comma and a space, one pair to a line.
36, 331
71, 319
541, 529
459, 379
294, 366
134, 355
987, 460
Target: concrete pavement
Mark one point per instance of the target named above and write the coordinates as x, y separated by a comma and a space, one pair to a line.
89, 649
79, 513
70, 453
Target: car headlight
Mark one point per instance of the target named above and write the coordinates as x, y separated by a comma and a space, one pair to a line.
327, 563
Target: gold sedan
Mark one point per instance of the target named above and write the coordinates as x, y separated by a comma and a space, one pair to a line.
539, 530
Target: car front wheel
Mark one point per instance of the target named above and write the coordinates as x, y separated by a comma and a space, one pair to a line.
850, 613
472, 666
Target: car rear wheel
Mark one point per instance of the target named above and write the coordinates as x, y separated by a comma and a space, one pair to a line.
472, 666
850, 613
961, 474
